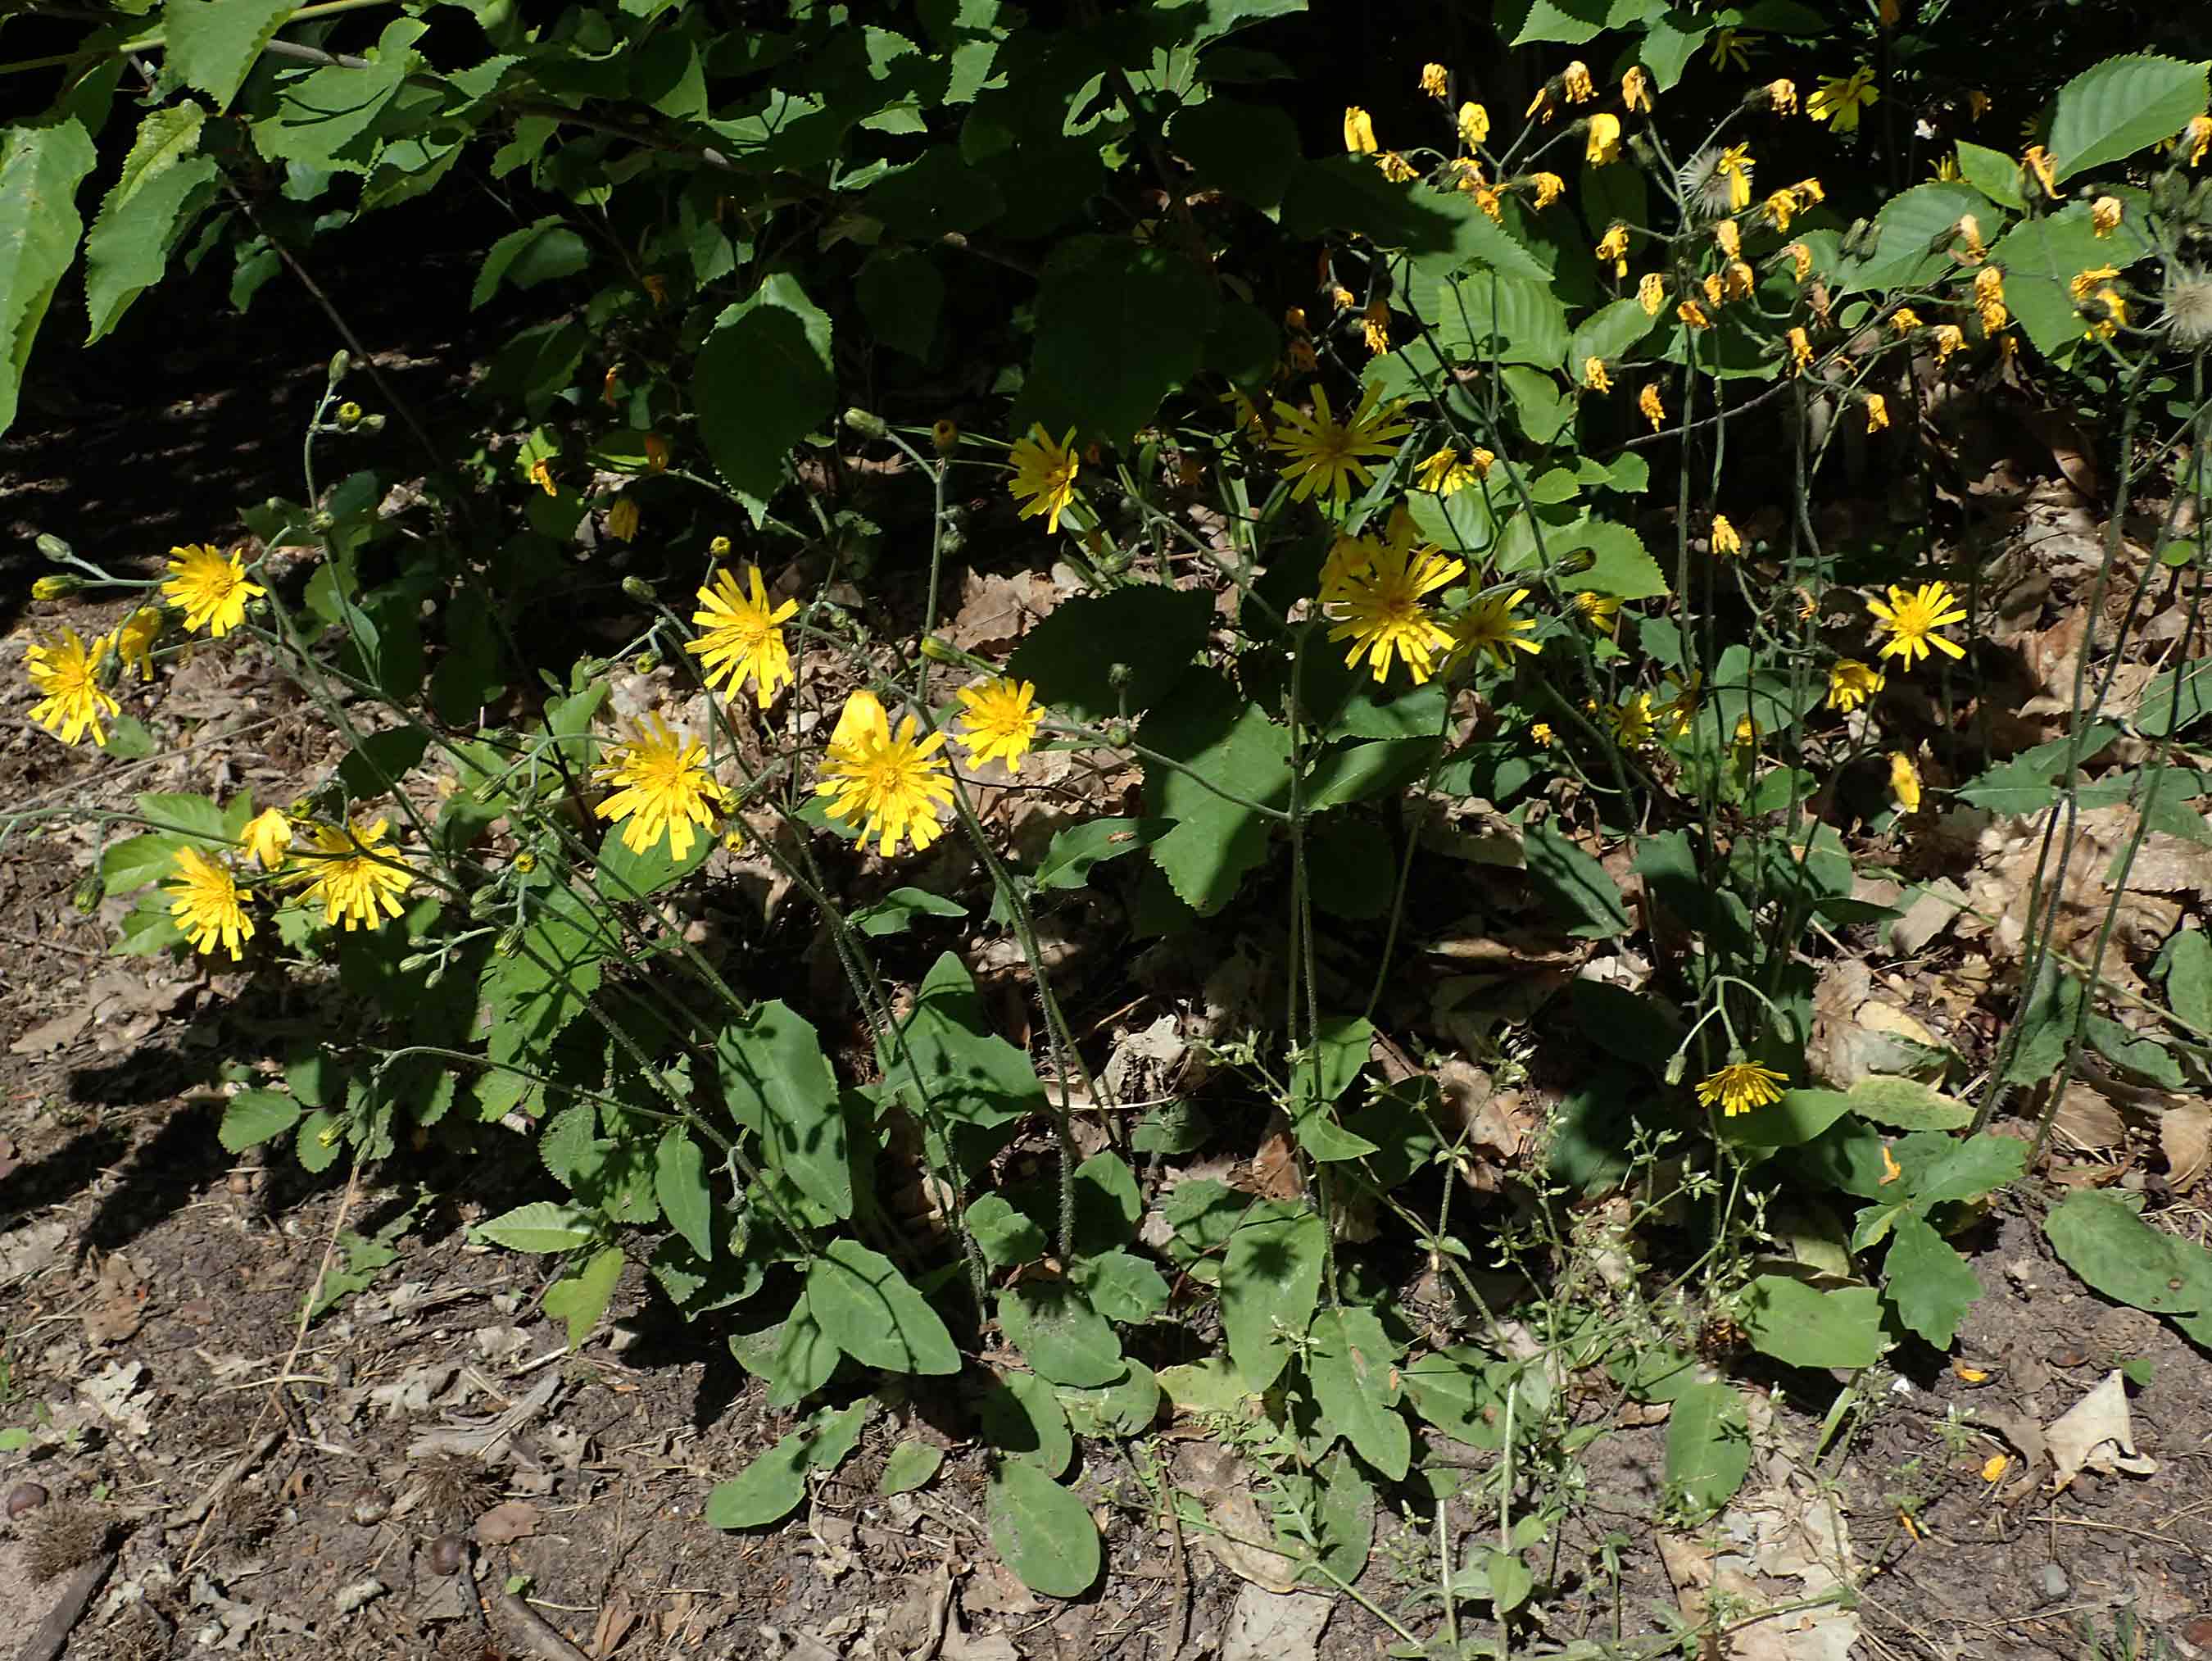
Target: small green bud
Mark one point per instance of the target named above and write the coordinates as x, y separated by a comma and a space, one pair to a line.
483, 902
1677, 1065
415, 961
1117, 734
719, 548
1119, 675
646, 662
372, 423
638, 589
89, 894
341, 361
349, 414
509, 941
52, 546
55, 587
938, 651
867, 423
323, 521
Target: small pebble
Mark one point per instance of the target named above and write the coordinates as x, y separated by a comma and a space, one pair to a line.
25, 1498
2055, 1584
371, 1505
240, 1181
448, 1552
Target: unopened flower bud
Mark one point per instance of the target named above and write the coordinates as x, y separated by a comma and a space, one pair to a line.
341, 361
415, 961
509, 941
938, 651
867, 423
637, 589
1118, 676
349, 414
372, 423
945, 433
55, 587
52, 546
1677, 1065
719, 548
483, 902
646, 662
322, 522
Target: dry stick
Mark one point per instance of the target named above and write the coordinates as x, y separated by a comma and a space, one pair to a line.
536, 1634
53, 1633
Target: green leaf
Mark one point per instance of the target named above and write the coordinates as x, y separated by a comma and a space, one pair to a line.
1573, 884
1620, 564
138, 860
1518, 319
1912, 237
770, 1488
779, 1086
680, 1184
318, 116
1222, 742
40, 168
2188, 978
2023, 785
1060, 1334
1042, 1531
1967, 1170
1708, 1448
1152, 632
1800, 1327
1461, 1392
1799, 1116
1992, 172
1122, 1287
1927, 1282
252, 1116
1349, 193
1022, 1419
1608, 333
2101, 1239
1120, 325
537, 988
1124, 1407
869, 1312
541, 1225
1352, 1364
804, 1360
1345, 1516
902, 295
956, 1071
1247, 151
896, 911
581, 1298
539, 252
1007, 1236
1074, 853
212, 44
910, 1466
1907, 1104
2107, 113
763, 381
2176, 699
623, 873
2039, 258
154, 201
1270, 1283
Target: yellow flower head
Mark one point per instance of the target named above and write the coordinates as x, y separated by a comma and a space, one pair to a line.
1735, 165
1541, 733
1738, 280
1947, 339
1044, 476
945, 435
1913, 622
1989, 299
1603, 141
1446, 472
2195, 139
1384, 610
1490, 199
1681, 709
1327, 456
1359, 130
2037, 163
1782, 95
1801, 351
1838, 102
1636, 89
1648, 401
1732, 49
2104, 214
1946, 170
1474, 126
1977, 104
1799, 257
1852, 683
1877, 412
1374, 327
1575, 79
1435, 81
742, 634
1728, 543
1694, 314
205, 904
1342, 298
1349, 556
1738, 1087
1593, 375
1903, 781
67, 671
1904, 320
355, 875
1635, 724
1547, 187
1601, 611
1728, 235
1395, 167
541, 475
622, 520
893, 788
266, 836
212, 590
1716, 291
2083, 284
134, 640
1000, 721
666, 789
1490, 625
1651, 292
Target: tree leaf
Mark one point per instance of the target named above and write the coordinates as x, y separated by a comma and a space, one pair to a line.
581, 1298
679, 1183
2039, 258
253, 1116
2106, 114
1352, 1365
154, 201
1573, 884
1119, 326
1927, 1282
1042, 1530
779, 1086
213, 43
869, 1312
40, 168
319, 117
1060, 1334
1708, 1447
1270, 1282
539, 252
1992, 172
763, 381
1800, 1327
541, 1225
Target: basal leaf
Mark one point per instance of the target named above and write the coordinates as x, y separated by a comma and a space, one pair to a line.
1270, 1283
1042, 1530
868, 1309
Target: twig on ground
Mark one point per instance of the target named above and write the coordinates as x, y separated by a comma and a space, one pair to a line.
536, 1633
54, 1632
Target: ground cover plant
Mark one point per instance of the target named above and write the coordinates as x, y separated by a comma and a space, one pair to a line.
956, 498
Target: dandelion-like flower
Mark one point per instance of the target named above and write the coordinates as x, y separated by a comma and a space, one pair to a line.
1327, 456
1541, 732
1904, 782
1694, 314
1435, 81
1044, 476
893, 788
134, 641
1490, 625
1780, 209
1636, 89
1728, 236
1679, 710
1634, 723
1649, 402
1547, 188
1614, 245
1728, 543
1348, 558
1737, 280
212, 590
1738, 1087
2037, 162
1359, 130
1474, 126
742, 634
1801, 351
1913, 622
2104, 214
1601, 611
666, 789
1448, 471
1989, 299
1491, 199
1852, 683
1384, 610
1731, 49
67, 671
1593, 375
1651, 292
2188, 303
266, 836
206, 906
1602, 143
1001, 721
1839, 100
2083, 284
355, 875
1575, 80
1395, 167
1735, 164
1782, 95
1716, 292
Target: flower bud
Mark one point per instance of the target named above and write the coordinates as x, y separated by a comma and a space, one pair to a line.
637, 589
945, 433
509, 941
55, 587
415, 961
349, 414
483, 902
867, 423
938, 651
719, 548
646, 662
52, 546
372, 423
341, 361
1677, 1065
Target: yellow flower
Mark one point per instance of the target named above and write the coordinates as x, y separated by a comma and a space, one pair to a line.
1375, 326
2114, 314
622, 520
1738, 280
893, 788
1359, 130
1977, 104
1694, 314
205, 906
1852, 683
1601, 611
1342, 298
1948, 337
1001, 721
1385, 611
1738, 1087
1636, 89
1903, 781
656, 285
1781, 209
2083, 284
134, 641
1801, 351
1349, 557
1912, 622
741, 635
1614, 245
212, 590
2104, 214
1435, 81
1946, 170
1838, 102
1490, 625
266, 836
1548, 188
1989, 299
1445, 473
1541, 731
1651, 292
1681, 709
1714, 292
1970, 232
666, 789
1044, 475
2195, 139
1603, 145
354, 874
1783, 94
1745, 743
1726, 542
1593, 375
1648, 401
1327, 456
1473, 124
68, 671
1576, 81
945, 435
1801, 259
1905, 320
1633, 721
1728, 235
1877, 412
2037, 161
1732, 48
1735, 165
541, 475
1488, 198
1395, 167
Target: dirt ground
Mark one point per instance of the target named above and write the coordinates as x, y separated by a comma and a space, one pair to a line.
426, 1470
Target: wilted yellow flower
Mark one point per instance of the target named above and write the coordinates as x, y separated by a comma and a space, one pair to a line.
1328, 456
1977, 104
1636, 89
1729, 236
1780, 209
1727, 543
1603, 143
1575, 81
666, 789
1946, 170
2195, 139
1732, 48
1801, 351
1738, 1087
1648, 401
1395, 167
1714, 292
1488, 198
1737, 280
354, 874
1783, 94
2111, 314
1694, 314
1989, 299
1342, 298
1547, 187
622, 520
1970, 232
1001, 721
1474, 126
211, 589
1904, 320
1490, 625
1435, 81
541, 475
1852, 683
893, 788
945, 435
1044, 475
1838, 102
1601, 611
2083, 284
1801, 259
1679, 710
67, 671
205, 905
1593, 375
1877, 412
1651, 292
1384, 610
1374, 327
1948, 338
656, 285
1349, 556
1810, 190
135, 638
1359, 130
2104, 214
266, 836
742, 634
1914, 621
2037, 161
1903, 781
1994, 1466
1614, 245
